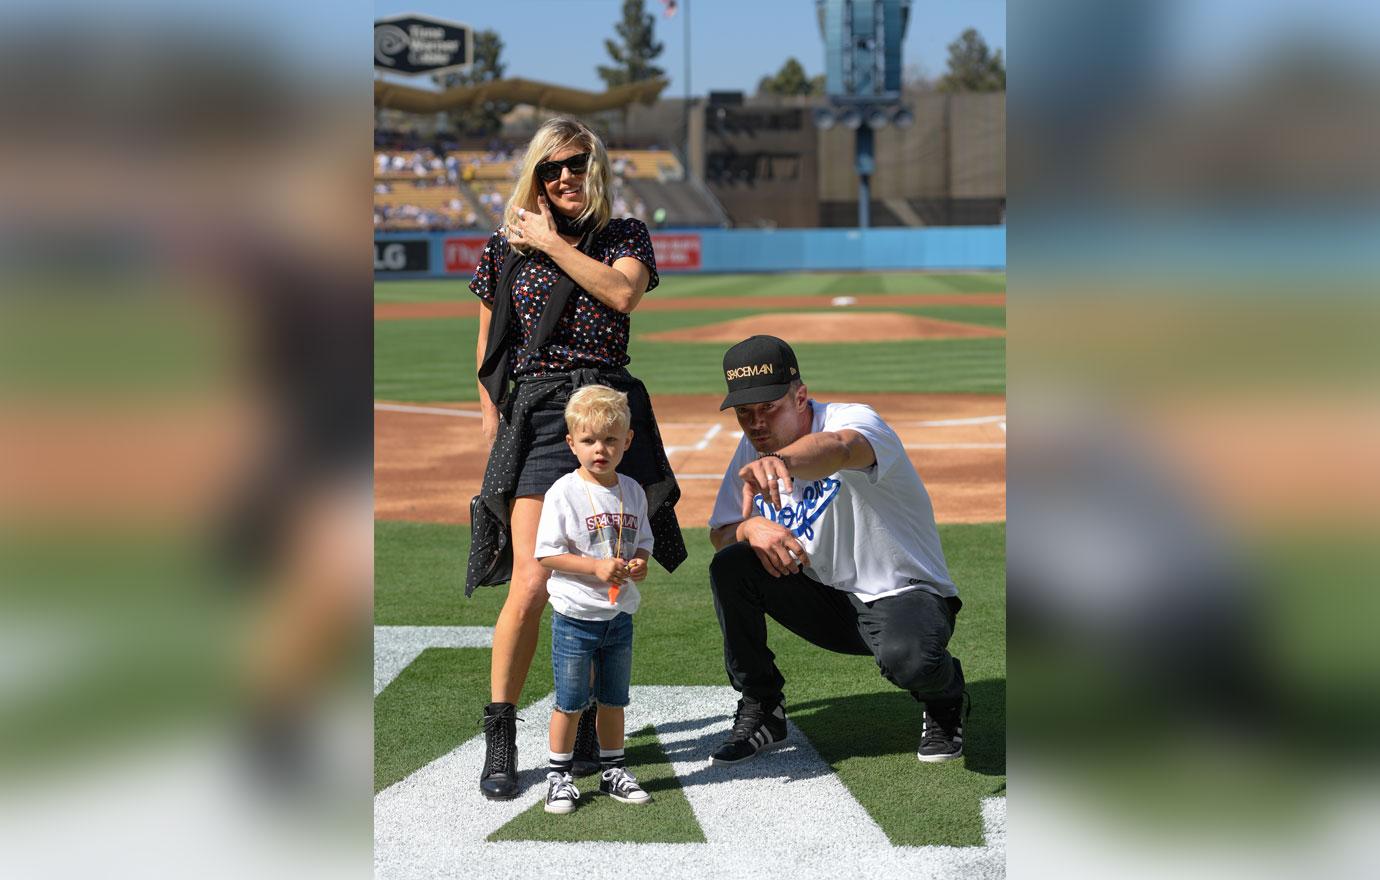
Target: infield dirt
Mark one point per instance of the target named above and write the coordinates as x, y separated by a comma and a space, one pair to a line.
427, 465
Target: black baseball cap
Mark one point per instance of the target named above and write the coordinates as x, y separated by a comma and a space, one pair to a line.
758, 369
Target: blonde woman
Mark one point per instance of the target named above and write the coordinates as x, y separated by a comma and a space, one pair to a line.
557, 284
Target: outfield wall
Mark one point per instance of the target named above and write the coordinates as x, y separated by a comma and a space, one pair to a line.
449, 254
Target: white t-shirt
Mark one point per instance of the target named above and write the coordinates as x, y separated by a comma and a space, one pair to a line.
869, 532
582, 518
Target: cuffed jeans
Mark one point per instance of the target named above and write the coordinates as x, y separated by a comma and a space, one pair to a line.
908, 635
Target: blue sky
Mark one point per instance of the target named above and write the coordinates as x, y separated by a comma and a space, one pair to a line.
734, 43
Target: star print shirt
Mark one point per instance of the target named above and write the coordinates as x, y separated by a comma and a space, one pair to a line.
589, 334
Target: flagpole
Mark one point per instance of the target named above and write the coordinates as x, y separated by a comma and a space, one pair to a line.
685, 111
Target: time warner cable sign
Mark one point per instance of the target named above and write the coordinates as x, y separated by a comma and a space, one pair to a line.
416, 44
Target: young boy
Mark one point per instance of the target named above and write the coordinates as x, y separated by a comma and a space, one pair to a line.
595, 538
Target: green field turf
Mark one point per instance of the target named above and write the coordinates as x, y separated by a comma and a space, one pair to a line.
776, 284
433, 359
865, 728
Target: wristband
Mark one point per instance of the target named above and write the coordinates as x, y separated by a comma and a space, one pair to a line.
777, 457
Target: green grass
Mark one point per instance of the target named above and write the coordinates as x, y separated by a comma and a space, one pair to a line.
433, 360
863, 726
761, 284
987, 316
936, 366
423, 290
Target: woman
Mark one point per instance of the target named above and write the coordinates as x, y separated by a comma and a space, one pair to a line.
557, 283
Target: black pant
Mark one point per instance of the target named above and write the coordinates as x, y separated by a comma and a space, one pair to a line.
907, 634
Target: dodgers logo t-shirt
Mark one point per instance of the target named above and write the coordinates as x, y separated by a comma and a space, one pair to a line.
869, 532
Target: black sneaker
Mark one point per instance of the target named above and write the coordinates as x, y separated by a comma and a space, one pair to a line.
586, 761
619, 784
942, 736
561, 793
755, 727
499, 781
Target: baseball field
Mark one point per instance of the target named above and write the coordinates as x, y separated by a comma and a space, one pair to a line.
847, 796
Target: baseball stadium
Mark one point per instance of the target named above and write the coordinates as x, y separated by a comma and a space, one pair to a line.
866, 229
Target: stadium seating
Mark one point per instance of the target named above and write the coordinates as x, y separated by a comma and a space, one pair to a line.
422, 185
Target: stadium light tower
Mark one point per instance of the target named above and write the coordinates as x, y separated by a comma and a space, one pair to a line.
862, 63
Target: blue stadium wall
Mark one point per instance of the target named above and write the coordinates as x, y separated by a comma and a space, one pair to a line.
450, 254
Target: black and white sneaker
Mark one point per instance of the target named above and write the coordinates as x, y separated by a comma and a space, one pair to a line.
755, 727
561, 793
619, 784
941, 739
586, 760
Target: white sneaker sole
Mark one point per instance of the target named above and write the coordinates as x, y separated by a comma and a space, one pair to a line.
938, 759
626, 800
768, 746
561, 808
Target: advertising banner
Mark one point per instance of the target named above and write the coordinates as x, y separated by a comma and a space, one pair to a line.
401, 256
461, 253
676, 251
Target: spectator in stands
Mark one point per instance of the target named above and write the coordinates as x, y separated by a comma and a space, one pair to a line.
558, 282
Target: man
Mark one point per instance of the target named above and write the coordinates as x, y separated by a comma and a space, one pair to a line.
823, 524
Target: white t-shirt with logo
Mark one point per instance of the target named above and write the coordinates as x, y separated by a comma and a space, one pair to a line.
869, 532
583, 518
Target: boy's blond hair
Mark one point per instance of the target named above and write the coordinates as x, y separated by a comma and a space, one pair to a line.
597, 407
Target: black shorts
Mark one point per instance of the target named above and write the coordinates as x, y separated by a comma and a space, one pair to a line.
549, 457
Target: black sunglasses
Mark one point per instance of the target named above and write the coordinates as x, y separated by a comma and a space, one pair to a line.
549, 171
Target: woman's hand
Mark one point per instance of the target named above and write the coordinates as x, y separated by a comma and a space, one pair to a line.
536, 228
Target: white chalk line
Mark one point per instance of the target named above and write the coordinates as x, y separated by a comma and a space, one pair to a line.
395, 647
699, 445
785, 807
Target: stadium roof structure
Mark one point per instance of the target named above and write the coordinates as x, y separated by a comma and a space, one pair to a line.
517, 91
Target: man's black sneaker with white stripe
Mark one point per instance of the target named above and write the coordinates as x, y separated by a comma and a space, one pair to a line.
755, 727
942, 736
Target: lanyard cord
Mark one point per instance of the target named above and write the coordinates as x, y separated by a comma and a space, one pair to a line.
613, 588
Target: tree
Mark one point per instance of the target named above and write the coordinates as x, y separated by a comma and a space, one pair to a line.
488, 118
791, 80
632, 60
973, 66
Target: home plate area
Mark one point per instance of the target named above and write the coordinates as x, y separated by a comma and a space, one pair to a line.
782, 812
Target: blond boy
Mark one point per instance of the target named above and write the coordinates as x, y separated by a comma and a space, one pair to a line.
595, 538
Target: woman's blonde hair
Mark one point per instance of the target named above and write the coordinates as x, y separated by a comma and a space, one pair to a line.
597, 407
555, 134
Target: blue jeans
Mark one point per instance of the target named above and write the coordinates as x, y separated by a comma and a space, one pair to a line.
580, 645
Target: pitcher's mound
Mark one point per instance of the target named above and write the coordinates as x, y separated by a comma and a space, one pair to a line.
830, 327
